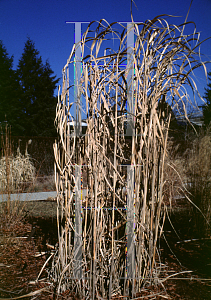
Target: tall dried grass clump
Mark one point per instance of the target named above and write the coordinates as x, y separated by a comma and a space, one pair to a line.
198, 170
11, 171
117, 234
15, 170
175, 175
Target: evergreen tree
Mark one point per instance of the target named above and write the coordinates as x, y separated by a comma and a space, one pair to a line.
9, 93
37, 99
207, 108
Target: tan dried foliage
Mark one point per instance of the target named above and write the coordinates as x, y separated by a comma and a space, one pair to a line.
162, 60
21, 171
14, 170
198, 171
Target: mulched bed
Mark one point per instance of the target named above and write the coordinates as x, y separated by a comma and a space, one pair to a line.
19, 268
18, 264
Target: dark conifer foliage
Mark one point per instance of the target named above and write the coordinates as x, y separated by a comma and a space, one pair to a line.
37, 97
207, 108
10, 111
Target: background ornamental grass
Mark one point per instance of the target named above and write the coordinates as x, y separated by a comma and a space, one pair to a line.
20, 169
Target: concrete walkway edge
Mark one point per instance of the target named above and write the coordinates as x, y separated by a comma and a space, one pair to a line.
32, 196
29, 196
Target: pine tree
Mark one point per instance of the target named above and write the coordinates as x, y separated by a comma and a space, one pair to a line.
37, 99
207, 108
9, 93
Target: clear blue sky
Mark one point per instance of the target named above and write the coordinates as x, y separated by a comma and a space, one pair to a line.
44, 22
